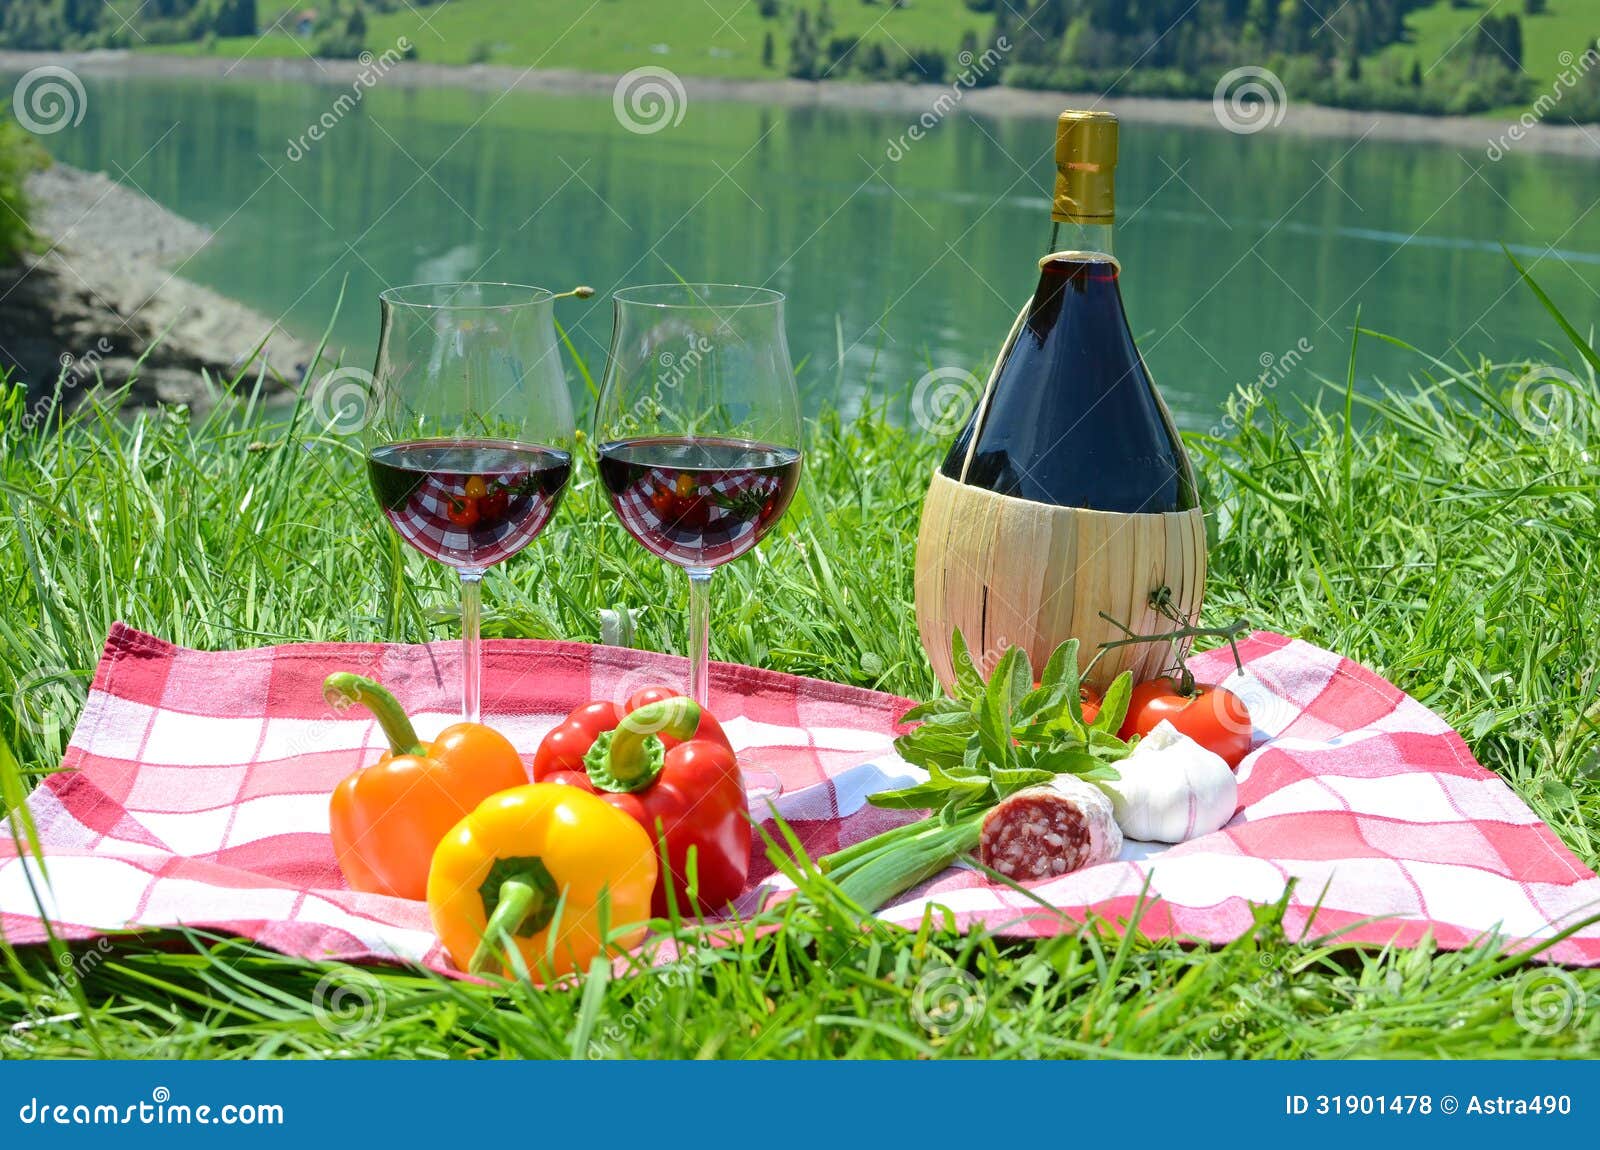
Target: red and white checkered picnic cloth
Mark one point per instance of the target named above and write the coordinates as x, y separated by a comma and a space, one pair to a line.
195, 792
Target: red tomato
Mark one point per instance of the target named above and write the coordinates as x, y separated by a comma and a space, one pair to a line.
463, 512
1088, 701
1213, 717
492, 507
692, 514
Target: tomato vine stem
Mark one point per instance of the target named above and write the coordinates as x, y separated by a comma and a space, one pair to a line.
1161, 602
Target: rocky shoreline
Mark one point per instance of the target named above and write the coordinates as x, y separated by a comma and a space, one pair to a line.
106, 291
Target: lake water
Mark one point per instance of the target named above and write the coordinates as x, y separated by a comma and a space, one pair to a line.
1239, 252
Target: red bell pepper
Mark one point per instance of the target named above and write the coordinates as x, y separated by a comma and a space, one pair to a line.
666, 763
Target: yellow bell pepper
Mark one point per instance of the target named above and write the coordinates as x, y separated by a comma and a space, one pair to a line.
500, 876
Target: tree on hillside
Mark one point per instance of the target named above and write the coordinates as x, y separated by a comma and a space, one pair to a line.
235, 18
31, 28
81, 16
872, 61
344, 34
925, 64
1261, 16
1500, 38
803, 47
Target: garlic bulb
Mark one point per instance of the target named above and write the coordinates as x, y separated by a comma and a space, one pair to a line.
1172, 789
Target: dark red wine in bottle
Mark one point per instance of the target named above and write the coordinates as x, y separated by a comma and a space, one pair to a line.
1073, 419
1068, 495
698, 502
468, 503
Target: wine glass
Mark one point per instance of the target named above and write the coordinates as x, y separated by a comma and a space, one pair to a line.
698, 436
470, 445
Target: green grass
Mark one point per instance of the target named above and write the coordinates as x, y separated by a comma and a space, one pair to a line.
1443, 29
1426, 531
700, 37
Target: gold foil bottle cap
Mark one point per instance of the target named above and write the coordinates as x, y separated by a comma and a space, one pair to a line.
1086, 168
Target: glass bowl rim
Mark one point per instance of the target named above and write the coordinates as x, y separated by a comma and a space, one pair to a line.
397, 296
637, 295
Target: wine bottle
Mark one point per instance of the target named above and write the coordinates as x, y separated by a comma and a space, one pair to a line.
1068, 496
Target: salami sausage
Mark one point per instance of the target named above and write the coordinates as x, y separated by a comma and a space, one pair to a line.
1051, 830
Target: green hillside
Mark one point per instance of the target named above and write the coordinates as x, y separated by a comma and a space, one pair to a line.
1563, 26
694, 37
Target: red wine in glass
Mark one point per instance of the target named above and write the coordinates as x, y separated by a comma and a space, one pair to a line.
468, 503
698, 502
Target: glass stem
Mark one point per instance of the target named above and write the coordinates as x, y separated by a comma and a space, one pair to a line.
699, 634
471, 646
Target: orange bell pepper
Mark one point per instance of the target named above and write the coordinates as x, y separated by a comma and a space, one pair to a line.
387, 819
550, 870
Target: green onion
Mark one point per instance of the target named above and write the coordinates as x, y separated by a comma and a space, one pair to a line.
874, 872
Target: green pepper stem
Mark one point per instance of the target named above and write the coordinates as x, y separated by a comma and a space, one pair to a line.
343, 689
629, 755
519, 899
